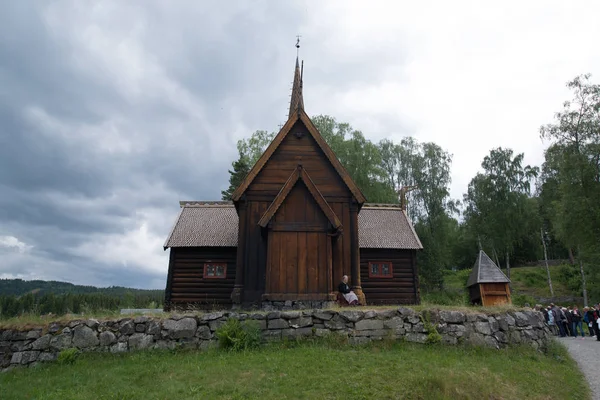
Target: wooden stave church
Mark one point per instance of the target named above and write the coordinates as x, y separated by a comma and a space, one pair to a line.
260, 247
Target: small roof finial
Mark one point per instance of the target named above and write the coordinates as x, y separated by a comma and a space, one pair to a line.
298, 44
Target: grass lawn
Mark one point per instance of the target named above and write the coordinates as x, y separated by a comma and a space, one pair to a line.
315, 370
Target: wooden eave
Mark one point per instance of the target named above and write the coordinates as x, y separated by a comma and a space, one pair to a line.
300, 115
300, 174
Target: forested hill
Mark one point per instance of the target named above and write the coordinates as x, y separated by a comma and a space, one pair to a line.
19, 287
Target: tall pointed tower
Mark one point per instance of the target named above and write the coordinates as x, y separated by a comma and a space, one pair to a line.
297, 101
298, 210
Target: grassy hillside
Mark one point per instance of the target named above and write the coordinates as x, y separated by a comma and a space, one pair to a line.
529, 285
19, 287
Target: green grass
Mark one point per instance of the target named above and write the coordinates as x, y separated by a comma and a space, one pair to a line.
307, 371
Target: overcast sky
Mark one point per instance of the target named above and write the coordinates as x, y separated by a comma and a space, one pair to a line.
113, 111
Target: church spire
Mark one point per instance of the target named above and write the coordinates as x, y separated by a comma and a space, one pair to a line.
297, 101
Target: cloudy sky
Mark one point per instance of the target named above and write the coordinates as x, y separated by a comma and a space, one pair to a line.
113, 111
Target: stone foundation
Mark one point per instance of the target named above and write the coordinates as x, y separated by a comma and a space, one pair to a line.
496, 330
295, 305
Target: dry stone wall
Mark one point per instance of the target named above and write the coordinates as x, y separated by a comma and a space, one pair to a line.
496, 330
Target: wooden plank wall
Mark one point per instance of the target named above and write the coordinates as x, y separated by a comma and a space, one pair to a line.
401, 288
265, 187
187, 285
291, 152
298, 250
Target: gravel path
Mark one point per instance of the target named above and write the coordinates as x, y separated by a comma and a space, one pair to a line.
586, 353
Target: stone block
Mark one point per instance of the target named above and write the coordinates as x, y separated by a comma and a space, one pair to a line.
368, 324
386, 314
258, 316
475, 339
352, 316
84, 337
291, 314
452, 317
140, 319
501, 337
24, 357
127, 327
42, 343
491, 342
120, 347
335, 323
406, 312
370, 314
107, 338
418, 328
494, 326
74, 323
323, 315
521, 319
394, 323
510, 320
216, 324
413, 319
483, 328
204, 332
139, 328
301, 322
152, 328
61, 342
213, 316
92, 323
34, 334
274, 315
183, 328
277, 324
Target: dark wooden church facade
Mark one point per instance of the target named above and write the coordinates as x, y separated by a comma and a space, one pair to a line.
294, 227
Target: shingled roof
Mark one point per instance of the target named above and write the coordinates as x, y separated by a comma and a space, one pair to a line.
215, 224
486, 271
385, 226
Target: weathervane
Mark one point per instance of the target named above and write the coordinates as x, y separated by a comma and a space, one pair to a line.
298, 44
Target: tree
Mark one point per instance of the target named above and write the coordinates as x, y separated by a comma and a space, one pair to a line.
236, 177
572, 167
497, 200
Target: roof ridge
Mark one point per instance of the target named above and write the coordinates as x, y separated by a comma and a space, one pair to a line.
215, 203
381, 205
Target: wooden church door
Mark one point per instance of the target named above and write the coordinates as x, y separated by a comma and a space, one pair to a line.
298, 250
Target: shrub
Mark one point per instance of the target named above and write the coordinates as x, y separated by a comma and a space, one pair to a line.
68, 356
433, 336
521, 299
235, 335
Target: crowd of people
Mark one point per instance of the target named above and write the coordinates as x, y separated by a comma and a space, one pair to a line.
567, 321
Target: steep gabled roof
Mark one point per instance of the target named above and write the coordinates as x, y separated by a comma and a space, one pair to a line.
486, 271
300, 174
312, 129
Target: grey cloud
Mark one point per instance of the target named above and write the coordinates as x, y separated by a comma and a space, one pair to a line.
63, 185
